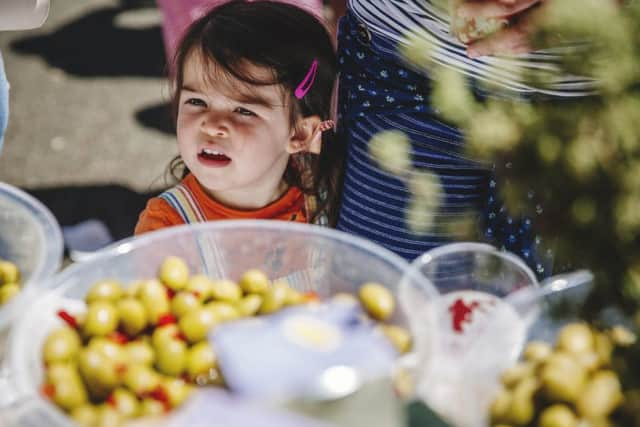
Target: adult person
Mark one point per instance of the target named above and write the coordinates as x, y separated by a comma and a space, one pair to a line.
379, 92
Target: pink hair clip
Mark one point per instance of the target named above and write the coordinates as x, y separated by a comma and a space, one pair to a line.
308, 80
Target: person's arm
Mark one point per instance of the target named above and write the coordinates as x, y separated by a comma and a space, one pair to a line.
513, 39
158, 214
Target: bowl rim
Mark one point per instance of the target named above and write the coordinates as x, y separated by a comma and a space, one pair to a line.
53, 250
460, 247
131, 243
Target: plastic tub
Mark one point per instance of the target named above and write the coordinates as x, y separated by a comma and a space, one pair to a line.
31, 238
312, 258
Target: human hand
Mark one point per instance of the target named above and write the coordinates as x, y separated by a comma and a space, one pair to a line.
515, 38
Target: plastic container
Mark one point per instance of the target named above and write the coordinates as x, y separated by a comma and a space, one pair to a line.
311, 258
31, 238
489, 300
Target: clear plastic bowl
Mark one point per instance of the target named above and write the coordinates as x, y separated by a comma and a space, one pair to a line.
31, 238
310, 257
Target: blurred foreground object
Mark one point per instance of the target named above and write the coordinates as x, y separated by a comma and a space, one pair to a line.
577, 157
23, 14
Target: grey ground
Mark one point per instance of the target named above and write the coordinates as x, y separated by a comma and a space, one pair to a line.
75, 98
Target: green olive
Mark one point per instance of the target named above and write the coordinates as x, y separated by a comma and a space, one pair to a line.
293, 297
589, 360
102, 319
177, 390
576, 338
622, 336
184, 302
171, 357
108, 417
133, 288
141, 379
522, 407
558, 416
201, 359
254, 282
8, 292
58, 371
601, 395
273, 298
537, 351
377, 300
69, 393
174, 273
500, 406
125, 402
398, 336
100, 374
604, 348
153, 296
151, 407
164, 333
201, 286
133, 316
249, 305
113, 351
9, 272
514, 374
196, 324
61, 345
563, 378
139, 353
226, 290
343, 297
223, 311
104, 290
85, 415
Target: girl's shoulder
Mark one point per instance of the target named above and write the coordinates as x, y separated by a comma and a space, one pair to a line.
157, 214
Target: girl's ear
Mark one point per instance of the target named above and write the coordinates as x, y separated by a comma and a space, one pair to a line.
306, 137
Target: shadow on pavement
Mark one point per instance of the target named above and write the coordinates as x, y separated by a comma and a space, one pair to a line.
116, 206
93, 46
157, 117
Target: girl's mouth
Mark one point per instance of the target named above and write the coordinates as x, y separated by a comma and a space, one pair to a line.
213, 158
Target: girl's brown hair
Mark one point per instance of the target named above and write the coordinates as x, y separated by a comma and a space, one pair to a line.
286, 40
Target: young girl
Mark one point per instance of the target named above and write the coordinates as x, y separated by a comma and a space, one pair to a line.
252, 91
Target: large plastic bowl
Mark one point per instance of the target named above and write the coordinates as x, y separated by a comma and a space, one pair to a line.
31, 238
312, 258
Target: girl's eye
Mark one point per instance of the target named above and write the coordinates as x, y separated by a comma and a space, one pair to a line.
244, 111
196, 102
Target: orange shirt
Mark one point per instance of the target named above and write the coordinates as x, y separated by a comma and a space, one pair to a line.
159, 213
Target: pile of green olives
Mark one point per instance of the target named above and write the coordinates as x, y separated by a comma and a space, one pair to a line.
567, 386
9, 281
139, 350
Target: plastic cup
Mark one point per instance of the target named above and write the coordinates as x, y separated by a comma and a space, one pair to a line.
311, 258
29, 237
481, 323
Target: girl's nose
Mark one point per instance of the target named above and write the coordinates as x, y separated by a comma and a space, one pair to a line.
214, 127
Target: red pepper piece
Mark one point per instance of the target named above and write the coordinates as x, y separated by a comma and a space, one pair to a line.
69, 319
160, 394
48, 390
111, 401
166, 319
311, 296
118, 338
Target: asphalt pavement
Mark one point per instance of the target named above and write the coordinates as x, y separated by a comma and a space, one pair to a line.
89, 130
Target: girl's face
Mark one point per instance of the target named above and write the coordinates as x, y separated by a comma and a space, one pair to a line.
232, 136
